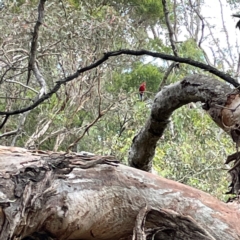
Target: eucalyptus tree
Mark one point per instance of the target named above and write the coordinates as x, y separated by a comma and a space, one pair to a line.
98, 110
67, 83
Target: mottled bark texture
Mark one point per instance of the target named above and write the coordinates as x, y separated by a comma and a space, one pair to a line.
70, 196
211, 92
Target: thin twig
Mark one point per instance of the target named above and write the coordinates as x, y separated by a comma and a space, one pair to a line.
100, 115
18, 98
225, 31
170, 29
12, 81
4, 121
202, 21
165, 77
65, 13
33, 52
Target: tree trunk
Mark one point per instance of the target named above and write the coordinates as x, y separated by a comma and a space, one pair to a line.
211, 92
71, 196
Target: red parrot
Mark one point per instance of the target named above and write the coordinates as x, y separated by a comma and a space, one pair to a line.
142, 89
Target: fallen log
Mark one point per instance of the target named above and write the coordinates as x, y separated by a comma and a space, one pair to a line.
46, 195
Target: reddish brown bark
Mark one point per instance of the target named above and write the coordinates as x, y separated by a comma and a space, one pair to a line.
75, 197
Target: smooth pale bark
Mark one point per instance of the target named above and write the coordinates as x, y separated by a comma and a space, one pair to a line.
211, 92
75, 197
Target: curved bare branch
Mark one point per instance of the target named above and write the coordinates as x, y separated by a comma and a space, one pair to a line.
191, 89
107, 55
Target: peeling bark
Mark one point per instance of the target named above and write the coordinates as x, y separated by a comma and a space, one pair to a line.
70, 196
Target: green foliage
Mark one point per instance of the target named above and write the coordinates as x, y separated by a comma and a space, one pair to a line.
158, 45
75, 3
195, 152
150, 8
189, 49
116, 131
129, 80
76, 33
234, 3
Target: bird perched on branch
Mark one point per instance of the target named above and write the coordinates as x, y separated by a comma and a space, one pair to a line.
142, 89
